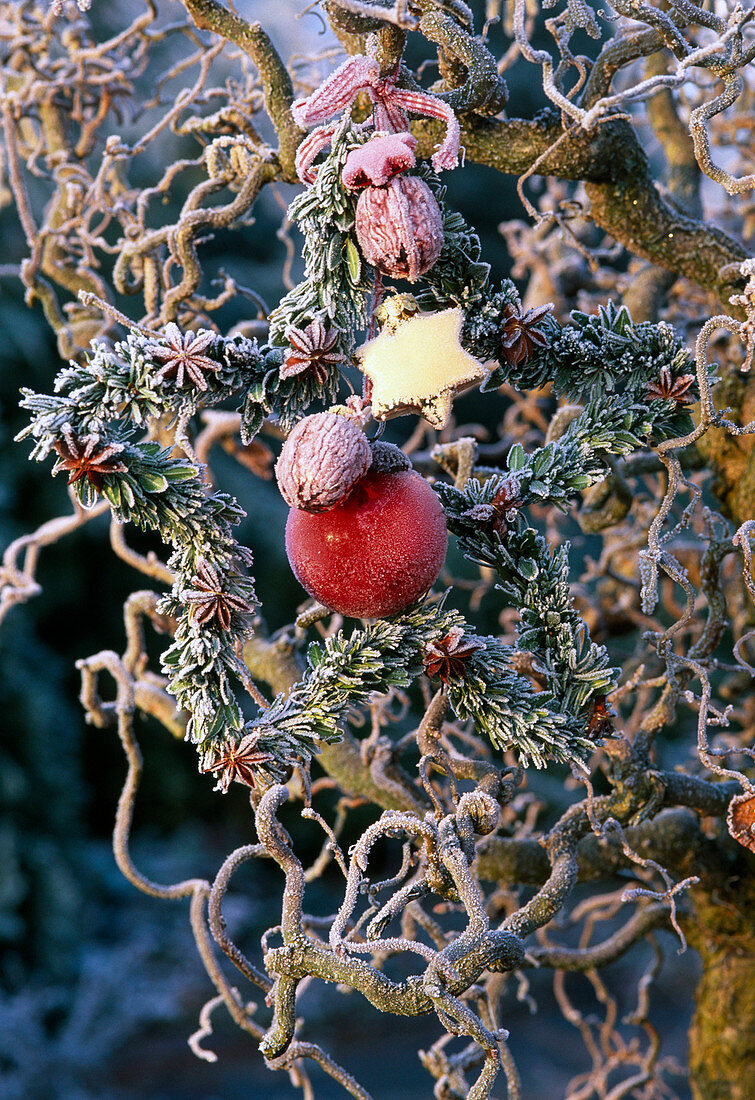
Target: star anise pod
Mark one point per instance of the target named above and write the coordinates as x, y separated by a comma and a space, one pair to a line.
447, 656
671, 389
183, 356
500, 510
86, 458
208, 599
520, 334
312, 349
600, 723
238, 760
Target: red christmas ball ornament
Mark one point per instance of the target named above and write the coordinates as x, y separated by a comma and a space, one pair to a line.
374, 554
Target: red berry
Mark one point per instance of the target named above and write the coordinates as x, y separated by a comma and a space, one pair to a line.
374, 554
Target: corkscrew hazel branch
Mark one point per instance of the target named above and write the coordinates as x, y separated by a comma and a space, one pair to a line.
215, 915
398, 13
483, 91
197, 890
204, 1031
18, 581
611, 825
668, 454
644, 920
724, 55
278, 88
300, 956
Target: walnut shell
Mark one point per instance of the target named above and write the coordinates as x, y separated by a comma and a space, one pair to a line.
399, 227
321, 461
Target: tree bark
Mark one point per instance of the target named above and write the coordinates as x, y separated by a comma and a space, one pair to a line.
732, 457
625, 200
722, 1036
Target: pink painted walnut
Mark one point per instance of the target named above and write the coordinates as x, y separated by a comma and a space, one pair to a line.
322, 460
398, 221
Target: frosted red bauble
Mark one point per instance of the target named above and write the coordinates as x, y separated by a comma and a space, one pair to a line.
376, 553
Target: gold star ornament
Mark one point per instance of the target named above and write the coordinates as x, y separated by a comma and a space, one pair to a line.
419, 366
